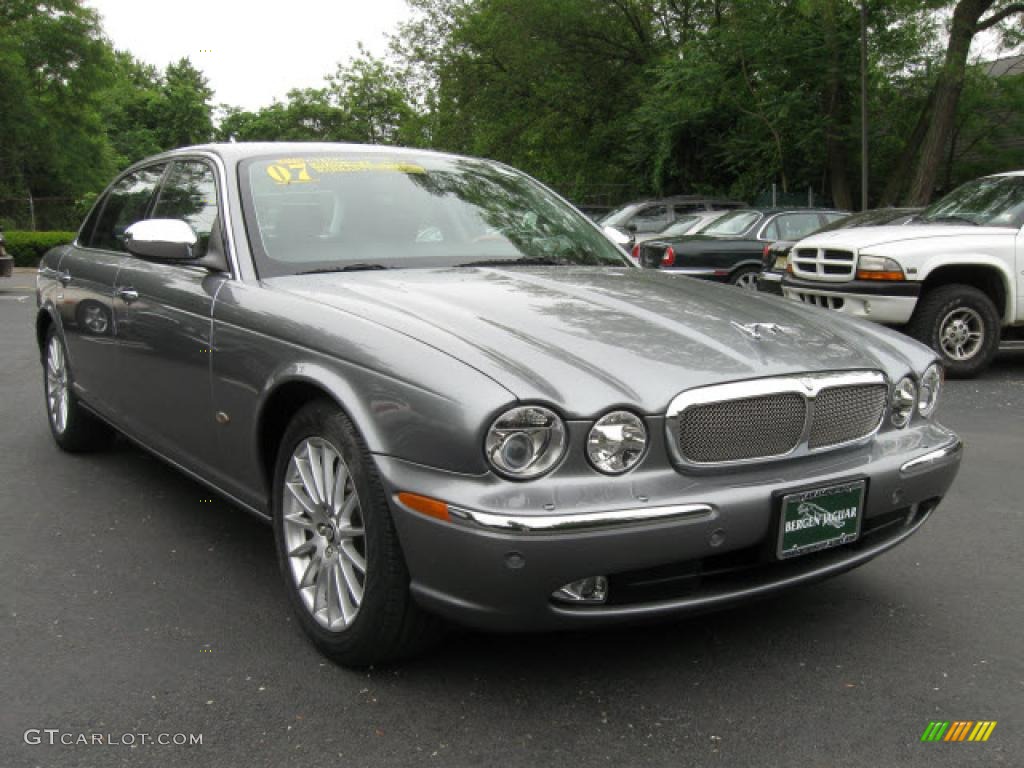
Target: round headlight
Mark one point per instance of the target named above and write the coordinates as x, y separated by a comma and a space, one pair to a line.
928, 395
617, 442
904, 400
525, 442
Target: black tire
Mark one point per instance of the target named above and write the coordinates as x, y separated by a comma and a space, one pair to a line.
388, 625
933, 309
82, 431
744, 274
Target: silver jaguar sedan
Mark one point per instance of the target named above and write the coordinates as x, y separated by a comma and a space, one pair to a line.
455, 399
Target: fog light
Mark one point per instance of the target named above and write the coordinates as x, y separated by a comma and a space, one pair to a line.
592, 590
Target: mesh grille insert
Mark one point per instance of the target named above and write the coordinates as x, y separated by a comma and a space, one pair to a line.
750, 428
842, 414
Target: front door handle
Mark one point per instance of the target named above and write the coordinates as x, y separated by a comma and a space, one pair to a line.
128, 294
62, 277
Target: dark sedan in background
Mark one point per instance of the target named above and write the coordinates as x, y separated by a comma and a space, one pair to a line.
731, 249
776, 254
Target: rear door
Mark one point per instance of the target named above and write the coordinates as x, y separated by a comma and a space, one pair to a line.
163, 313
87, 274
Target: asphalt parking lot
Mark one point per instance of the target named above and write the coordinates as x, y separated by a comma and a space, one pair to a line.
134, 602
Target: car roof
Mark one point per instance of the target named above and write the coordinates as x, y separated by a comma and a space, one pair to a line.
234, 151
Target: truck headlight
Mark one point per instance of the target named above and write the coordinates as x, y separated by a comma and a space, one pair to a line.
878, 268
928, 393
617, 442
904, 400
525, 442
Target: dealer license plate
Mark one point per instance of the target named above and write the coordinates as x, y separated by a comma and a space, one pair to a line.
820, 518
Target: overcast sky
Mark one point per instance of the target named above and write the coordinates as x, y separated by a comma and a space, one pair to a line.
251, 52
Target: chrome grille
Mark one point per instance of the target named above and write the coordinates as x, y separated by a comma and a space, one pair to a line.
824, 264
742, 429
843, 414
763, 419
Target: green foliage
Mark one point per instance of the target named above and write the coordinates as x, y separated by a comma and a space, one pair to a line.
363, 101
28, 248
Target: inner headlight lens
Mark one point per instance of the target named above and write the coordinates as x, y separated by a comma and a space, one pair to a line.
878, 268
904, 400
928, 395
525, 442
617, 442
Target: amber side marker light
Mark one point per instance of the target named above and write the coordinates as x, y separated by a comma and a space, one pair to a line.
866, 274
426, 506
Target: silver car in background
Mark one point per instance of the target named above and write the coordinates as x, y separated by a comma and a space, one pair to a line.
454, 398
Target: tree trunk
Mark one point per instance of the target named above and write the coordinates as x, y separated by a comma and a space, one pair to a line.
946, 97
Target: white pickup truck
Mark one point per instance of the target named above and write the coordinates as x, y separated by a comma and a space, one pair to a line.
953, 280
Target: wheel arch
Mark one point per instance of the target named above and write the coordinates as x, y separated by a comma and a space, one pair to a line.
288, 393
46, 319
988, 277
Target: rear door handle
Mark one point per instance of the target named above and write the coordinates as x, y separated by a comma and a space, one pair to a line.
128, 294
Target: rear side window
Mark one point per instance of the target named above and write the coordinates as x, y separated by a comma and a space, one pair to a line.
126, 203
190, 194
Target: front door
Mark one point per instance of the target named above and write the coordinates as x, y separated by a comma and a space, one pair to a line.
163, 313
87, 275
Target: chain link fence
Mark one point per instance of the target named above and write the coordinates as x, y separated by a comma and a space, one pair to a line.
42, 214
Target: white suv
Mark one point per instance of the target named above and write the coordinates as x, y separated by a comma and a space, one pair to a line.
954, 278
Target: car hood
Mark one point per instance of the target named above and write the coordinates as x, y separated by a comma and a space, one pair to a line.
858, 238
588, 339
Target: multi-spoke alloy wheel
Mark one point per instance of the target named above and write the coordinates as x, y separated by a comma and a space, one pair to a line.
74, 428
961, 323
746, 279
324, 535
337, 545
57, 385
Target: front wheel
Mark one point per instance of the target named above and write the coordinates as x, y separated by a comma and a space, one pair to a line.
337, 546
961, 324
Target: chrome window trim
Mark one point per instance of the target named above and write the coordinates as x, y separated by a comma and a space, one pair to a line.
575, 522
806, 385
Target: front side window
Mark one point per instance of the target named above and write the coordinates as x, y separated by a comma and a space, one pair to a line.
190, 194
732, 224
994, 201
352, 210
126, 203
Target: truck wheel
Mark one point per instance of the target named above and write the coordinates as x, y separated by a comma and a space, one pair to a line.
961, 324
337, 546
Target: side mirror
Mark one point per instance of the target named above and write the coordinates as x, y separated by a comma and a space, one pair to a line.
161, 239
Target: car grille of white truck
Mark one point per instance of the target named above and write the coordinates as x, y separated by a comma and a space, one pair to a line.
824, 264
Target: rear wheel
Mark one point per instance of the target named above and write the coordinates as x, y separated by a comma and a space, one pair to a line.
337, 546
745, 278
73, 428
961, 324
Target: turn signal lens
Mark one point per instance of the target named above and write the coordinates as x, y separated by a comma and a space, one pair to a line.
425, 506
669, 258
879, 268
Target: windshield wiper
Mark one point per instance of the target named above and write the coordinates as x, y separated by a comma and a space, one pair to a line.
358, 266
525, 261
953, 217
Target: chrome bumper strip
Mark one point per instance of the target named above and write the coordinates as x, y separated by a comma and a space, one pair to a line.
587, 521
952, 449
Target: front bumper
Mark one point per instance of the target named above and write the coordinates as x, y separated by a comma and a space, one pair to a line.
670, 543
881, 302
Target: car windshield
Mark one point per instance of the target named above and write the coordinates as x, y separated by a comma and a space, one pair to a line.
994, 201
620, 215
681, 226
324, 212
734, 223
